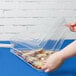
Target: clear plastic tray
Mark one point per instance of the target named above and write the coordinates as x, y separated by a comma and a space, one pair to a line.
35, 39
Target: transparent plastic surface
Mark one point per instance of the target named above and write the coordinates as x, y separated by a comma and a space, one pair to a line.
30, 45
38, 38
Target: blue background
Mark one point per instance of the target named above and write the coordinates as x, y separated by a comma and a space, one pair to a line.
10, 65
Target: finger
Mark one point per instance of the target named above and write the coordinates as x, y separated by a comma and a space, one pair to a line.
73, 23
68, 25
47, 70
71, 27
75, 29
44, 67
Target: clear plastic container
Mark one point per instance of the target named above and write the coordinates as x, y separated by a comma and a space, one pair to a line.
37, 39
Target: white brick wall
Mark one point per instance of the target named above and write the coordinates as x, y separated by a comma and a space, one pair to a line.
18, 16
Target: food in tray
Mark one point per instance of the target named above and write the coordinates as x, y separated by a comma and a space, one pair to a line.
35, 58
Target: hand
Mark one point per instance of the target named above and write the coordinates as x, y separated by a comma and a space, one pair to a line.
53, 62
72, 26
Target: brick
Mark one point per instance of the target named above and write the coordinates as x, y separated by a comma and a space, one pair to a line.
18, 16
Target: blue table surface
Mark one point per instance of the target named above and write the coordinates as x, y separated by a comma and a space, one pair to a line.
10, 65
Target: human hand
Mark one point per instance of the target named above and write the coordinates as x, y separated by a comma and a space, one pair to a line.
72, 26
53, 62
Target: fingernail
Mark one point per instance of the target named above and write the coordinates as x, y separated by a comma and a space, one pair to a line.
47, 70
